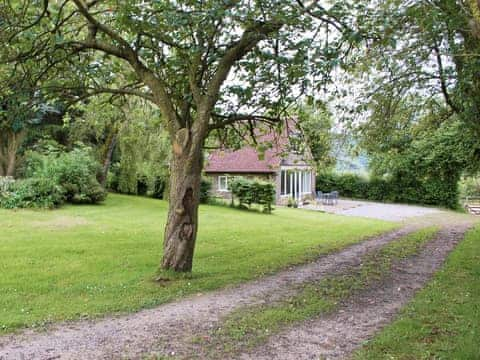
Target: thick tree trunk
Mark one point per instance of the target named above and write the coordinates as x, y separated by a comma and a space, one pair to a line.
184, 198
10, 142
11, 163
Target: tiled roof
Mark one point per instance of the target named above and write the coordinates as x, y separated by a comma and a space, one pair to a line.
247, 159
244, 160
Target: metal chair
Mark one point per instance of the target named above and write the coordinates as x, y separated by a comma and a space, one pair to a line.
319, 196
327, 199
335, 196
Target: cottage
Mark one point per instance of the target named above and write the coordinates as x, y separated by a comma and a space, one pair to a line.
282, 163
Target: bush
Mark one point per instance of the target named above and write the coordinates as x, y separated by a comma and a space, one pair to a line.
6, 190
250, 192
74, 171
33, 193
205, 187
401, 188
54, 178
6, 183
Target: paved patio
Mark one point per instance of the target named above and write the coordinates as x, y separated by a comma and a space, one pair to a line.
375, 210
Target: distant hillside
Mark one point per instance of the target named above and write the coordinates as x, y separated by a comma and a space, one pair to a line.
346, 161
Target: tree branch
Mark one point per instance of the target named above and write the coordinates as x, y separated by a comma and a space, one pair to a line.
223, 120
250, 38
443, 85
160, 94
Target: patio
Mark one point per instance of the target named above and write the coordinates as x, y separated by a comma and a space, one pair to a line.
374, 210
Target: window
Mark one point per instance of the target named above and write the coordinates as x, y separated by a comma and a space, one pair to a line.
223, 183
307, 182
285, 187
295, 183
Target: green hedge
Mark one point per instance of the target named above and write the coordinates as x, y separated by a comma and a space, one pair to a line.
438, 191
250, 192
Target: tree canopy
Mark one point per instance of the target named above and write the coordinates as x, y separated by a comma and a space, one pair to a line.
207, 65
219, 68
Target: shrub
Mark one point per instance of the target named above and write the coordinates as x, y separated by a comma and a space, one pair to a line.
76, 172
33, 193
250, 192
91, 193
55, 177
205, 187
6, 183
6, 190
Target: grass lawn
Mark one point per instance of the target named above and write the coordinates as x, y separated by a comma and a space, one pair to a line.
83, 261
443, 320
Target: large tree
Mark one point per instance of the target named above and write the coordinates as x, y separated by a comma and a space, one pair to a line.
418, 77
207, 65
429, 49
22, 107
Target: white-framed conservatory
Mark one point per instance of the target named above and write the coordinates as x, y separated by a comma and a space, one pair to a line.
295, 182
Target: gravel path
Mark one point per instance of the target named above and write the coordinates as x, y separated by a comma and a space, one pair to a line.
169, 329
376, 210
164, 327
336, 336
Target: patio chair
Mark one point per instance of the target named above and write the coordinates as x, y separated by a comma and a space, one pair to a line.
327, 199
335, 196
319, 196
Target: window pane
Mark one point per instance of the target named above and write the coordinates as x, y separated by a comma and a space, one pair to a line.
222, 183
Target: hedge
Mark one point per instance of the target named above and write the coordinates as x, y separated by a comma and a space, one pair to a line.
253, 192
426, 191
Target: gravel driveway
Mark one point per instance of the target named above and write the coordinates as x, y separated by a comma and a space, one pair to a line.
374, 210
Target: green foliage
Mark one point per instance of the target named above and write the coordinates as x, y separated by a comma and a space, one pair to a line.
159, 187
53, 178
422, 160
32, 193
470, 186
205, 187
6, 183
74, 171
421, 93
403, 189
280, 35
141, 166
317, 137
250, 192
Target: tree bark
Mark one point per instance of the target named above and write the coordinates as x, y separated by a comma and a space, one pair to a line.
12, 163
107, 157
10, 142
184, 199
